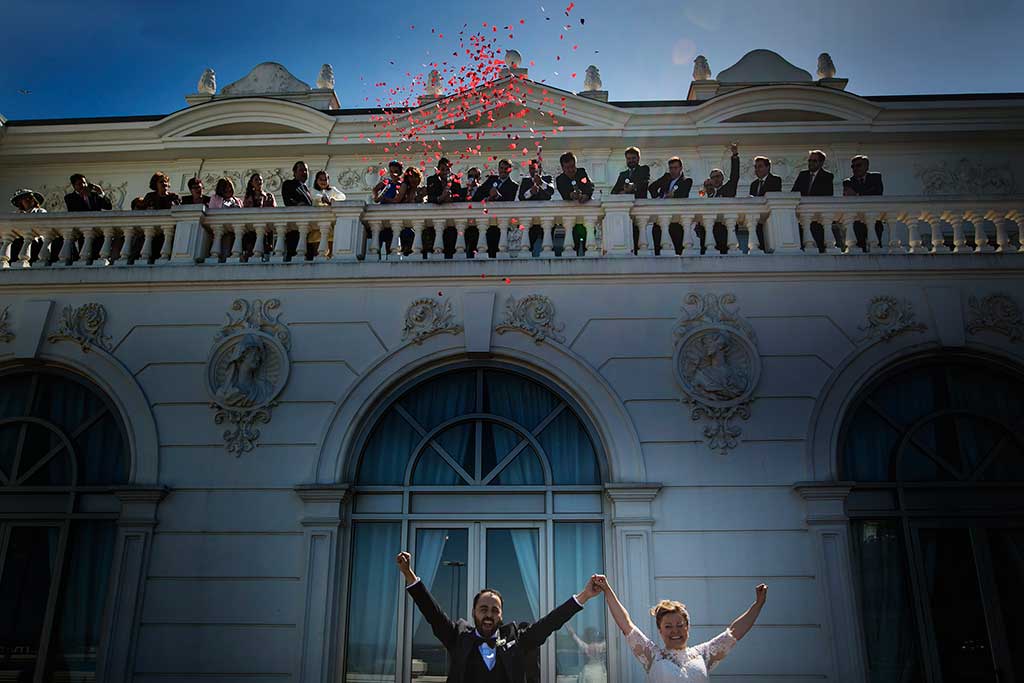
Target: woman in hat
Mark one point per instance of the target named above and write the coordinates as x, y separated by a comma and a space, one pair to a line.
25, 201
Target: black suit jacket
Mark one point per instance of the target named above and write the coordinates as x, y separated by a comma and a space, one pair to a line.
772, 183
436, 185
680, 191
295, 193
506, 193
527, 184
871, 185
97, 202
728, 189
564, 184
822, 184
641, 178
521, 639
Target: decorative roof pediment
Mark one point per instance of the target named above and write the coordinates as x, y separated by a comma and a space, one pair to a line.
775, 104
268, 78
250, 116
763, 66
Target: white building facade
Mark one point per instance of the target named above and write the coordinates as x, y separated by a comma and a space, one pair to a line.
211, 452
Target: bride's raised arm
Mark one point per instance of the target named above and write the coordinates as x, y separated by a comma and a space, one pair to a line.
619, 613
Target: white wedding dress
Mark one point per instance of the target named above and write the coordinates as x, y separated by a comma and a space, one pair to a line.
671, 666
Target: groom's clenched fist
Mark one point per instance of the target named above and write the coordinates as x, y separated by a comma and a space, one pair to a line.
404, 560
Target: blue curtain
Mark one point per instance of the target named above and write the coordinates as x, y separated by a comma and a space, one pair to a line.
580, 647
517, 398
387, 453
569, 450
525, 542
24, 588
373, 613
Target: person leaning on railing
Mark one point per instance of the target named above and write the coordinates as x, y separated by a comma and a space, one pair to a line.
158, 197
195, 193
815, 182
25, 201
224, 196
325, 194
672, 185
764, 181
863, 183
536, 187
715, 187
574, 185
255, 196
86, 196
635, 179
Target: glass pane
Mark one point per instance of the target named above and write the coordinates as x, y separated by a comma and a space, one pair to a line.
911, 395
24, 590
868, 451
890, 631
433, 470
460, 443
497, 442
14, 395
958, 618
9, 435
517, 398
569, 450
77, 627
1007, 463
440, 562
103, 437
978, 388
39, 443
513, 569
581, 647
524, 470
373, 614
387, 453
914, 465
442, 398
1008, 564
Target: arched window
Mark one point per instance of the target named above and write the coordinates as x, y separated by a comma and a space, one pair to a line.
62, 448
936, 454
491, 477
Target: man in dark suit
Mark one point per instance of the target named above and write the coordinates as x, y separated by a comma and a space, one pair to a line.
635, 179
488, 650
814, 182
573, 184
672, 185
86, 197
443, 187
764, 181
294, 191
536, 187
498, 188
715, 187
862, 183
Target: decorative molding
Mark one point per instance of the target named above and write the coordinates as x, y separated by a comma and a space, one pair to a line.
997, 313
5, 333
426, 317
534, 315
247, 369
717, 364
965, 177
84, 326
889, 317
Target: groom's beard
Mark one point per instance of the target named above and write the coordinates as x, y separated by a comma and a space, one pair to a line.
485, 630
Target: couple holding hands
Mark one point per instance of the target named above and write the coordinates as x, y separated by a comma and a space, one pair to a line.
489, 650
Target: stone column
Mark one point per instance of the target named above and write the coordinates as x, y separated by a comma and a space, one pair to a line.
617, 225
631, 565
128, 580
322, 518
782, 228
825, 506
191, 239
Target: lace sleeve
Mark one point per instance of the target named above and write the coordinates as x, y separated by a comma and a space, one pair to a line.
715, 650
642, 647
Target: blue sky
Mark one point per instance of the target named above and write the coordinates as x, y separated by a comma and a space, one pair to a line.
106, 58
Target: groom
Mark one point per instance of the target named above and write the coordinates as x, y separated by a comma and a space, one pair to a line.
488, 651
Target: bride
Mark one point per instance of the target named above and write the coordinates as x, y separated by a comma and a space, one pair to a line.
676, 661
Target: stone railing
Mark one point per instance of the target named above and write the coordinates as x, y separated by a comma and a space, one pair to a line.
617, 226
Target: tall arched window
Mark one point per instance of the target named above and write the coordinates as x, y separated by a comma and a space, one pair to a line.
491, 477
62, 448
936, 453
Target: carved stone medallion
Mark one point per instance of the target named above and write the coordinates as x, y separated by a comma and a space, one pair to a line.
426, 317
997, 313
888, 317
247, 369
84, 326
717, 364
534, 315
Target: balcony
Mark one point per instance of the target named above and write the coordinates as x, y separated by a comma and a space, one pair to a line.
617, 227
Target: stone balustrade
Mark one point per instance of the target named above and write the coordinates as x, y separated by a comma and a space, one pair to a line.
617, 226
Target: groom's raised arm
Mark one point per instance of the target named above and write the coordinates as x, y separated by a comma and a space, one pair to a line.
537, 632
442, 626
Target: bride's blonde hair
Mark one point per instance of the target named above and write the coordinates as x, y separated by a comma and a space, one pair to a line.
669, 607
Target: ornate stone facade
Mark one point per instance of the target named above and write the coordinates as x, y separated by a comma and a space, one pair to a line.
997, 313
534, 315
426, 317
888, 317
84, 326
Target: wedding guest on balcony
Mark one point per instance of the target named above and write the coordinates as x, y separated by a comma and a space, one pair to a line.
815, 182
410, 191
500, 187
27, 201
195, 193
294, 190
444, 187
671, 185
574, 185
635, 179
863, 183
86, 196
764, 181
536, 187
224, 196
386, 191
138, 204
715, 187
473, 176
255, 196
159, 197
325, 194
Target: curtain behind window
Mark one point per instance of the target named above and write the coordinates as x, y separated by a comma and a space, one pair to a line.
581, 646
373, 605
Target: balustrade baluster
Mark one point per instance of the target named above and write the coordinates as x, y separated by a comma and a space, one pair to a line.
302, 246
525, 226
938, 245
326, 230
461, 224
547, 246
147, 244
691, 247
25, 255
280, 228
502, 223
375, 227
106, 249
914, 245
1001, 221
643, 247
417, 239
981, 245
168, 246
666, 247
804, 220
67, 247
238, 232
732, 242
440, 225
123, 254
959, 241
5, 248
44, 251
215, 245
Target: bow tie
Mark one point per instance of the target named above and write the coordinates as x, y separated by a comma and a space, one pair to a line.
491, 642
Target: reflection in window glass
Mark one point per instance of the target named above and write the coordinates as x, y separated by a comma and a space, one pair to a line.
24, 590
441, 562
581, 647
513, 569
